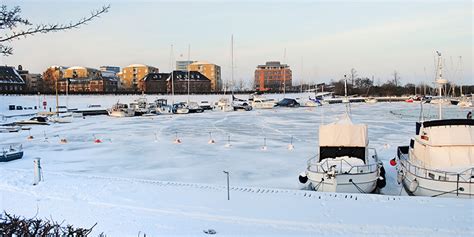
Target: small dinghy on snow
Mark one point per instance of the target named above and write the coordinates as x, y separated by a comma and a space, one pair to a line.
11, 153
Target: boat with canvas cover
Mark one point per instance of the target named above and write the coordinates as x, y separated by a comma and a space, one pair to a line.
345, 163
440, 158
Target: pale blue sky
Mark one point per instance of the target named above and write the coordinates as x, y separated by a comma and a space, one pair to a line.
323, 39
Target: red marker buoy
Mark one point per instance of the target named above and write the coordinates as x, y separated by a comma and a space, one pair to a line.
393, 162
97, 141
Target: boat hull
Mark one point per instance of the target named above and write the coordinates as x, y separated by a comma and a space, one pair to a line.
341, 183
421, 185
11, 156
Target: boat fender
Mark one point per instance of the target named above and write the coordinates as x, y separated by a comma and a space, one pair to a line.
381, 182
303, 178
382, 172
413, 186
400, 177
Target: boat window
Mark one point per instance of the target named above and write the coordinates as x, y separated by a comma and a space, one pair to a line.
432, 176
442, 178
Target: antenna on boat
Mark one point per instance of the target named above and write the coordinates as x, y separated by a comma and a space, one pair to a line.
440, 81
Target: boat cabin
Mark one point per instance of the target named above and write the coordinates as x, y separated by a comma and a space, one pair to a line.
343, 138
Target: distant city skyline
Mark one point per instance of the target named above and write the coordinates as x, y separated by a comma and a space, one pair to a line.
323, 40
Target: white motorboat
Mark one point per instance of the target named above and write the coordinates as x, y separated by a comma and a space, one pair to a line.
34, 121
240, 104
308, 102
180, 108
193, 107
324, 97
345, 163
440, 158
140, 106
465, 102
61, 119
120, 110
371, 100
223, 104
260, 102
205, 105
162, 107
9, 128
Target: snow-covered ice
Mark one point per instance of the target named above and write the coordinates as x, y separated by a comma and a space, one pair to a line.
137, 179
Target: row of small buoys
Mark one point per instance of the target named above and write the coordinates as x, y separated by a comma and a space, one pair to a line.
176, 140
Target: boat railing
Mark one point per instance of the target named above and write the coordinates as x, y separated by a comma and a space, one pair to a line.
343, 167
466, 175
11, 147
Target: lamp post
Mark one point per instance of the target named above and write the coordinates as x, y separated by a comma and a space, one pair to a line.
228, 189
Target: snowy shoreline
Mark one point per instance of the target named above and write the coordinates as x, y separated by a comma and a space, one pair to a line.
123, 207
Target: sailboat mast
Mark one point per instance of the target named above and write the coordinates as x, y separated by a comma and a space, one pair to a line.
284, 73
345, 86
172, 79
189, 71
440, 81
232, 62
460, 74
57, 96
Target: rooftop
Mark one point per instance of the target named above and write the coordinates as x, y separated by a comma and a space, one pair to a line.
10, 75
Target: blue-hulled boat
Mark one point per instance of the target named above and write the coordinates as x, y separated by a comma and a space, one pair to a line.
11, 153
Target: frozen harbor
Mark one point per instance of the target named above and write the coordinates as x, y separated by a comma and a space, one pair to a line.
137, 156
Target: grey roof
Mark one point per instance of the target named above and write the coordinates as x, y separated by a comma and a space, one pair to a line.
156, 77
194, 75
273, 64
10, 75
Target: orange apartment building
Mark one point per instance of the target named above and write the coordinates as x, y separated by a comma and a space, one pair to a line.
211, 71
131, 76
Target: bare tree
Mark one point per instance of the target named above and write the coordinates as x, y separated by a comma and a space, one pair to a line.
353, 76
11, 23
396, 78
